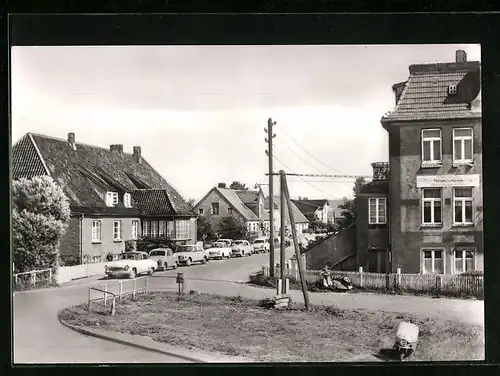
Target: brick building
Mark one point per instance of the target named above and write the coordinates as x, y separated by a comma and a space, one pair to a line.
435, 158
114, 196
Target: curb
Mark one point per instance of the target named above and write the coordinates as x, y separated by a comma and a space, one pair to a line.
92, 333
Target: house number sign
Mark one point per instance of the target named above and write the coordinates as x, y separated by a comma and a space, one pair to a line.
435, 181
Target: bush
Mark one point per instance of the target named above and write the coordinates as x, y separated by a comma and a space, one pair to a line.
146, 244
130, 245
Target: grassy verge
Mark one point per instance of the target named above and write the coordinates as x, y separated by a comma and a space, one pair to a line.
242, 327
271, 282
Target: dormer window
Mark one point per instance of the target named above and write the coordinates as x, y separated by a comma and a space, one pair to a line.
111, 198
127, 200
452, 89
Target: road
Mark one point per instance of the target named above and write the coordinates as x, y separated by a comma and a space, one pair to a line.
40, 338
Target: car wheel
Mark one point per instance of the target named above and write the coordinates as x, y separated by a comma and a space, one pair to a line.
204, 260
188, 262
151, 271
134, 273
174, 266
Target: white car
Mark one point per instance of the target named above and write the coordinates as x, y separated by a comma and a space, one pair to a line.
164, 258
219, 250
241, 248
131, 265
187, 254
261, 245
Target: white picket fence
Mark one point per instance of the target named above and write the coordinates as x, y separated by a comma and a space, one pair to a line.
468, 285
69, 273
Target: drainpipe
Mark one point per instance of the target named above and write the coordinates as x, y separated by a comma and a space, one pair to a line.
81, 238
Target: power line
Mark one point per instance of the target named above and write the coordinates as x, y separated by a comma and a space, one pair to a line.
291, 138
299, 157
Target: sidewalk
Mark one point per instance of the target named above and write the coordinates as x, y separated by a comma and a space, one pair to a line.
467, 311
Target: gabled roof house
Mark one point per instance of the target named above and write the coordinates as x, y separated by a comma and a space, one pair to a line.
114, 196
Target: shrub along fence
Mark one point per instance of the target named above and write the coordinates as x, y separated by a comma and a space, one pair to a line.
32, 279
440, 284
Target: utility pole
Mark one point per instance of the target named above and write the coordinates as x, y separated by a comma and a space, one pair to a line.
269, 153
282, 232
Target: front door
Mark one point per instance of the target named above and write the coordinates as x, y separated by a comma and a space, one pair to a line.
377, 260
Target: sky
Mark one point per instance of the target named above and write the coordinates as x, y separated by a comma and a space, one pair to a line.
199, 112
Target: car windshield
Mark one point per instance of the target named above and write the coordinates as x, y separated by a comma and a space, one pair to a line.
185, 248
157, 253
258, 241
132, 256
238, 242
219, 245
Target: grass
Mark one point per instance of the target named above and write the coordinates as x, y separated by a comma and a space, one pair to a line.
241, 327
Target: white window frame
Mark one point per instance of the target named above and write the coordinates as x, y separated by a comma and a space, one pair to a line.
111, 198
432, 161
432, 201
433, 258
162, 229
135, 228
146, 228
201, 211
115, 233
127, 200
463, 200
377, 207
464, 259
182, 228
462, 140
96, 231
153, 229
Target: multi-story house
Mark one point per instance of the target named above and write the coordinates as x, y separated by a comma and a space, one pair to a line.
314, 210
435, 156
114, 196
301, 222
246, 205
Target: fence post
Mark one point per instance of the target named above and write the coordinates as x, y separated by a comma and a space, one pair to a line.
50, 275
133, 289
147, 282
113, 306
398, 278
120, 291
88, 304
360, 276
105, 294
32, 277
15, 279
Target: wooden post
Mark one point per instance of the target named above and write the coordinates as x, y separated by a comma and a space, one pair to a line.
360, 276
282, 233
113, 306
50, 275
294, 235
33, 278
15, 279
147, 283
88, 304
133, 288
398, 278
287, 286
105, 295
279, 287
120, 291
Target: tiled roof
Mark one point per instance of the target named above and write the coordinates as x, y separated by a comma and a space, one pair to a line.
234, 198
308, 207
334, 207
297, 214
26, 162
153, 202
381, 187
85, 172
425, 95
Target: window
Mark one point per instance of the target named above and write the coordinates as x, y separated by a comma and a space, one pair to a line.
201, 211
154, 229
117, 230
229, 211
162, 229
462, 145
433, 261
215, 208
171, 230
96, 231
431, 206
182, 229
146, 228
431, 146
377, 210
462, 206
464, 260
452, 89
135, 229
111, 198
127, 200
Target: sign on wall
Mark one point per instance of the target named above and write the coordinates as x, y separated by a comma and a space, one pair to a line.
431, 181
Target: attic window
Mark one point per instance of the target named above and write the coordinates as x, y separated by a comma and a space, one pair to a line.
452, 89
111, 198
126, 200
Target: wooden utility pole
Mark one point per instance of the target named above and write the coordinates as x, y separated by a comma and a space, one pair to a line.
282, 231
269, 153
295, 240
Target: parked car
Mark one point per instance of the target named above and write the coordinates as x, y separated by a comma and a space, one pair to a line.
219, 250
241, 248
130, 265
228, 241
187, 254
260, 245
164, 258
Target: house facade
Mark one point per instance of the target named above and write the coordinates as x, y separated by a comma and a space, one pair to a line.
113, 195
435, 159
301, 222
315, 210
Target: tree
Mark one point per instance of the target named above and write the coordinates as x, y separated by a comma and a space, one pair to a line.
191, 203
238, 185
232, 227
204, 229
40, 216
349, 206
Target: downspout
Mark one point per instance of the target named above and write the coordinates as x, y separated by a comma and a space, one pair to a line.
81, 238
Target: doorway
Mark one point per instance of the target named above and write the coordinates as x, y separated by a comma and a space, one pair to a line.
378, 260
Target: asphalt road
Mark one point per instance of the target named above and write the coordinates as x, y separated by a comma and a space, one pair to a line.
39, 337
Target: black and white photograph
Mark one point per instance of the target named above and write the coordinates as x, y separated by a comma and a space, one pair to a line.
247, 203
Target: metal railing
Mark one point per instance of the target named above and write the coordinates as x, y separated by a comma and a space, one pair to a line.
138, 285
33, 280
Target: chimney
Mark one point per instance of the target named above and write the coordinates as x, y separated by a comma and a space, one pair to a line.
137, 154
71, 140
221, 185
380, 171
118, 148
461, 56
